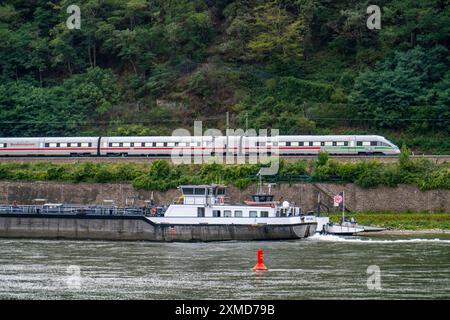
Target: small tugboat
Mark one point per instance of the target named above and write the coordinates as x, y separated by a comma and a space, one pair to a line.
343, 228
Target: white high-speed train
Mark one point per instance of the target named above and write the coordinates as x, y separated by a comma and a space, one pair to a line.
207, 145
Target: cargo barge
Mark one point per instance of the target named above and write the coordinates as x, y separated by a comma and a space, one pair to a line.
201, 213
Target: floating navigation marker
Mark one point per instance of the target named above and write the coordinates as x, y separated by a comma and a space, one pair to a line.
260, 266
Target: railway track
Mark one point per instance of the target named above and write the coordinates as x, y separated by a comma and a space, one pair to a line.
131, 159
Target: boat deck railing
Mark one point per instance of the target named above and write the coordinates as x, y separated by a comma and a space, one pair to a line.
73, 209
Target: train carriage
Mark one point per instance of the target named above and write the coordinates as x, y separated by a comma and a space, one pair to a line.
75, 146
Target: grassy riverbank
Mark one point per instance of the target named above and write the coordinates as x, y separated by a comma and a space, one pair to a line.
400, 221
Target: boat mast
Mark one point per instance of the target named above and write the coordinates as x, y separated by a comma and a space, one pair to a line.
260, 182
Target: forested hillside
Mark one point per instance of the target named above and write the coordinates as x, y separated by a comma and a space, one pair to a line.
303, 66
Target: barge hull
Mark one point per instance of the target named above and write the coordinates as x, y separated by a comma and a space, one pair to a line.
52, 226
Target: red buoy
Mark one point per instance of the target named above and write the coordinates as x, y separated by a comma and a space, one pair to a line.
260, 266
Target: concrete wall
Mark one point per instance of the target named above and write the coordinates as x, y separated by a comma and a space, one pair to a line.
401, 198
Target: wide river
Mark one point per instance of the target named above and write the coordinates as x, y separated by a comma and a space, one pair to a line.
321, 267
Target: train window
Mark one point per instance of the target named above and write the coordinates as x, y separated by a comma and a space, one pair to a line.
165, 144
84, 144
334, 143
294, 144
261, 144
301, 143
2, 145
47, 145
346, 143
288, 144
310, 143
373, 143
238, 213
274, 144
359, 143
264, 214
227, 213
322, 143
90, 144
132, 144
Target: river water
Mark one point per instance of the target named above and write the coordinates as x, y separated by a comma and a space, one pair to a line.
320, 267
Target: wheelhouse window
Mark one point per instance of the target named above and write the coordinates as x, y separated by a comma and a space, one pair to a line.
199, 191
264, 214
216, 213
188, 191
238, 213
220, 191
253, 214
227, 213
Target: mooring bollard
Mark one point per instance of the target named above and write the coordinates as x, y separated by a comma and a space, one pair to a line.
260, 266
